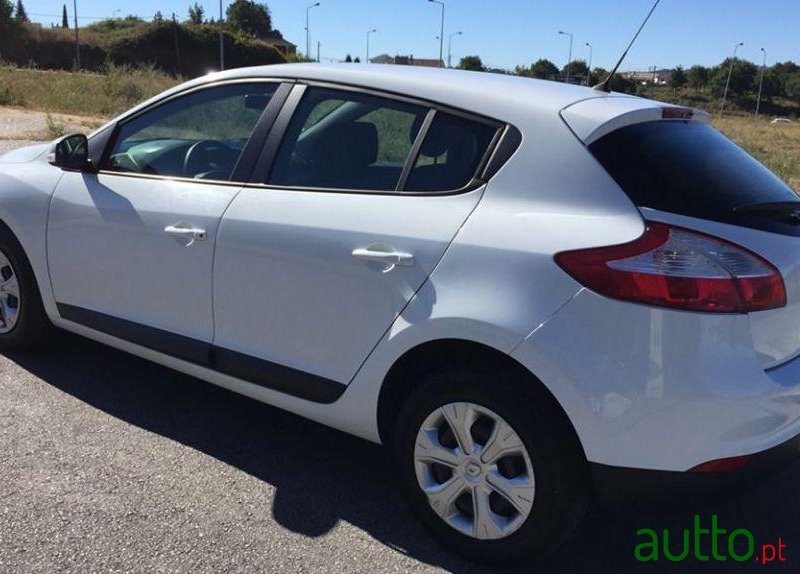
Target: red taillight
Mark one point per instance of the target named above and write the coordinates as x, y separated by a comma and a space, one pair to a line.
673, 267
723, 464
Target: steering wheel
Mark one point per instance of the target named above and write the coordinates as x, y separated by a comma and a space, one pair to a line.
199, 157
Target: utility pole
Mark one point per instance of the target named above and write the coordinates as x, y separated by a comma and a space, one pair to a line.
319, 45
761, 82
569, 61
450, 48
308, 35
177, 44
77, 37
728, 83
441, 32
221, 41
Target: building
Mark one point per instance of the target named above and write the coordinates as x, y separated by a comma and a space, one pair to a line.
657, 77
407, 61
284, 47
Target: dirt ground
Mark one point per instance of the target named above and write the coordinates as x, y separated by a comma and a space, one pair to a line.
19, 127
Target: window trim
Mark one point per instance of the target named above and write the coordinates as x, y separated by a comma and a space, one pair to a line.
265, 163
255, 142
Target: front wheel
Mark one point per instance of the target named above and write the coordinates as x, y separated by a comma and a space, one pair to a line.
23, 321
489, 466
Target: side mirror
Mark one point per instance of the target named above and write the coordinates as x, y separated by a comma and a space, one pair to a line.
70, 152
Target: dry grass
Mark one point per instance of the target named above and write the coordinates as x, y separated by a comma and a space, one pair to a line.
83, 94
775, 145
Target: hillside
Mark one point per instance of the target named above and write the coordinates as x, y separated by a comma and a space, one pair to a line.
187, 50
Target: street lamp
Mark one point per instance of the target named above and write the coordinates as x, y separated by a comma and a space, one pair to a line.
569, 61
589, 67
308, 37
114, 13
441, 33
368, 34
761, 81
730, 73
450, 48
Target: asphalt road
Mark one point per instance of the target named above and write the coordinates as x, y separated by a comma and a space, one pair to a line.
111, 463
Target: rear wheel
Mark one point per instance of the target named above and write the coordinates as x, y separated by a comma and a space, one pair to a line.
490, 466
23, 321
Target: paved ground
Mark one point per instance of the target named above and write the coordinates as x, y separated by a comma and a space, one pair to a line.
110, 463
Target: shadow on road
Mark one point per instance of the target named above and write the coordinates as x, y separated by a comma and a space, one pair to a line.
322, 476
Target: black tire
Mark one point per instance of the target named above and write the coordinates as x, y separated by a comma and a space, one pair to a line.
562, 482
32, 328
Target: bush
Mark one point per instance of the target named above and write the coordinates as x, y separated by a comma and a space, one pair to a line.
132, 42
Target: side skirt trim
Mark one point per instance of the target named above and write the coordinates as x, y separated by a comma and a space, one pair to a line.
239, 365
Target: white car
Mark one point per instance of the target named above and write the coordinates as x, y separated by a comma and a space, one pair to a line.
529, 290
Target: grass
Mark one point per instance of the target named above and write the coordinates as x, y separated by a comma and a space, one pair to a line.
775, 145
85, 94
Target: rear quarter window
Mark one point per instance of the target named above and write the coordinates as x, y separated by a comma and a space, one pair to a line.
691, 169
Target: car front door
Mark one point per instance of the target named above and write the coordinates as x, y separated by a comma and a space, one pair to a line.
130, 247
313, 266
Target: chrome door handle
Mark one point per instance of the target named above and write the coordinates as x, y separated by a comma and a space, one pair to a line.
393, 258
192, 234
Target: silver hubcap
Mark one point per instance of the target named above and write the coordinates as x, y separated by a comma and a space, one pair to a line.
9, 295
475, 470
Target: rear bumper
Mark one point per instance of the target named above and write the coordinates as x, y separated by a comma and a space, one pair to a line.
617, 486
659, 389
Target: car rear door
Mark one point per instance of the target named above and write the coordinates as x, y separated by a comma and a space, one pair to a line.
130, 248
355, 201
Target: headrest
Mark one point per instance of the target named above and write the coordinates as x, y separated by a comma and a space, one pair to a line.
349, 144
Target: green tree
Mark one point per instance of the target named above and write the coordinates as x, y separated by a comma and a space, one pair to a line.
543, 69
743, 77
678, 78
6, 12
251, 18
618, 83
64, 19
21, 15
697, 77
357, 60
793, 87
196, 14
349, 59
158, 17
577, 69
473, 63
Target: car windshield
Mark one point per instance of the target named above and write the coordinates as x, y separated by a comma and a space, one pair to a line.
691, 169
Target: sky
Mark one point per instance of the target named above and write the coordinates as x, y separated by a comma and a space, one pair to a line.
505, 33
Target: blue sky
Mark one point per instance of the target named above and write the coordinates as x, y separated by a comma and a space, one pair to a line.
509, 32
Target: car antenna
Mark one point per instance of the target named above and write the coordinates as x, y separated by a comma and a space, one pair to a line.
604, 86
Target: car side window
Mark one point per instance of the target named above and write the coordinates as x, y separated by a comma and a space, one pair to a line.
200, 135
347, 140
450, 154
